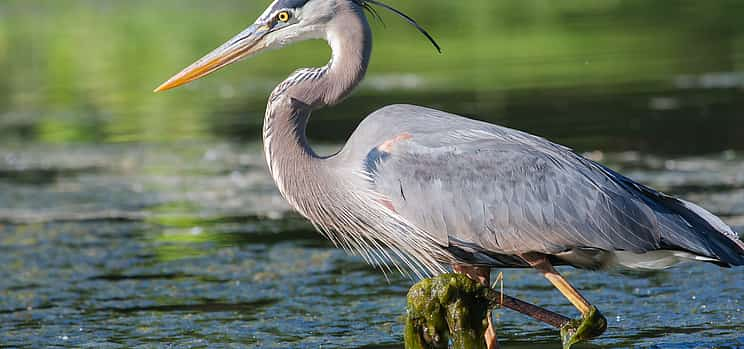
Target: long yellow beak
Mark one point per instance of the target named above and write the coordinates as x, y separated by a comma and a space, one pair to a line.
241, 46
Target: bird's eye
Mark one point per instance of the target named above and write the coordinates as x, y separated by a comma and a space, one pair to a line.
283, 16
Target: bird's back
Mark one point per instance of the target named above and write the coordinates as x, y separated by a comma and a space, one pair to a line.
493, 192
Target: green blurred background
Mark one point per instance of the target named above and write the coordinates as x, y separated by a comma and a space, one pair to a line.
653, 75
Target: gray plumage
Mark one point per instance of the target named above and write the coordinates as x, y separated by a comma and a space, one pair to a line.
421, 188
495, 192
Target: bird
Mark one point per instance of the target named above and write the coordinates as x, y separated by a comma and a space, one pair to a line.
419, 190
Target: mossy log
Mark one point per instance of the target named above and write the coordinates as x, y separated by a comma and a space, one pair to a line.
452, 307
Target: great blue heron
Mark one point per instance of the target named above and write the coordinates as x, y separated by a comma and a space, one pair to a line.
423, 189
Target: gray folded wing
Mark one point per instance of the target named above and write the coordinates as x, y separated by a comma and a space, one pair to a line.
505, 192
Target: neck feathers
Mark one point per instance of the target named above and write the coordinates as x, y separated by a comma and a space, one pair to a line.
289, 156
350, 38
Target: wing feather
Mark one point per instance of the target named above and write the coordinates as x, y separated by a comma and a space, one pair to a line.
494, 192
507, 192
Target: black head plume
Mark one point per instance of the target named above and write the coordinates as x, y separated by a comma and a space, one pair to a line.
411, 21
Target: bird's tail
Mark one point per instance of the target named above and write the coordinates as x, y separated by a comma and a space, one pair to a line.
699, 232
725, 243
691, 228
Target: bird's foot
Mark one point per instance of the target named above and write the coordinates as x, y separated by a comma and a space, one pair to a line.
592, 325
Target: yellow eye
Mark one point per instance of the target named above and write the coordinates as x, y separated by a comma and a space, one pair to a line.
283, 16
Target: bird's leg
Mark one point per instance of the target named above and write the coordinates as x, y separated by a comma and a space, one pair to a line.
592, 324
500, 281
483, 276
542, 264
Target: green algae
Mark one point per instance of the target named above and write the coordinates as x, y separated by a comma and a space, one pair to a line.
447, 307
579, 330
453, 308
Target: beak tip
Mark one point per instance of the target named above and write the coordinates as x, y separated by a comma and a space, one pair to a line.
213, 61
162, 87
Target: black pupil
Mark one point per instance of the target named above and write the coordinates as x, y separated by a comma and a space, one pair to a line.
283, 16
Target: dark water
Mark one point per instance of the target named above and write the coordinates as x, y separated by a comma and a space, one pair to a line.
134, 220
122, 246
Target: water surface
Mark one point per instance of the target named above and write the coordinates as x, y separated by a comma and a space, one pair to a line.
190, 246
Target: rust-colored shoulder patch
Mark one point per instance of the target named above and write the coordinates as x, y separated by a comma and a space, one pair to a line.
380, 153
388, 145
387, 203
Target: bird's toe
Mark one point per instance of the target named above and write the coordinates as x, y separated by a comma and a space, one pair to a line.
590, 326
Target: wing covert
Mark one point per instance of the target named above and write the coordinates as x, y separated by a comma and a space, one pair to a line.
509, 193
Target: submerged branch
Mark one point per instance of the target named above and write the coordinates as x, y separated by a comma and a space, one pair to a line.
452, 307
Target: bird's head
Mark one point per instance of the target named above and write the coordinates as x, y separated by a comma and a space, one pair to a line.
284, 22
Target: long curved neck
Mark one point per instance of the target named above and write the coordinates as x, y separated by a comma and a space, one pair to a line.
294, 165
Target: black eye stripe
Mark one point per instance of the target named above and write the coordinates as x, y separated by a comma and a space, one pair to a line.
288, 4
291, 3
